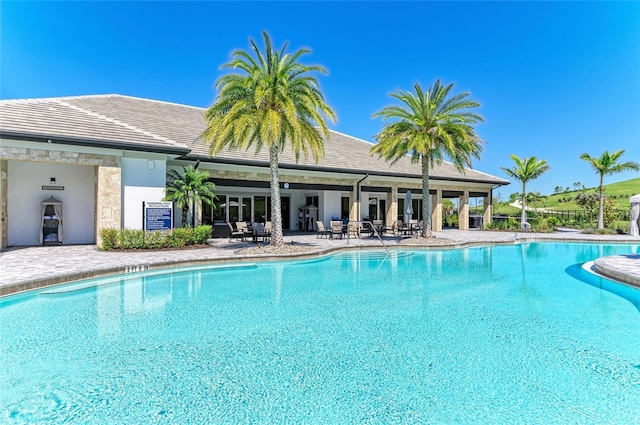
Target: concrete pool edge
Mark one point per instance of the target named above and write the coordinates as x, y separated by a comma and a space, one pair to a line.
131, 263
621, 268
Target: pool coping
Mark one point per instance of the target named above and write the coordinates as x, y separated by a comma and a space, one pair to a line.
617, 270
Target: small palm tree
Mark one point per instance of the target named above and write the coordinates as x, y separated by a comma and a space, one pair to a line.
189, 188
275, 101
447, 207
429, 126
607, 164
525, 170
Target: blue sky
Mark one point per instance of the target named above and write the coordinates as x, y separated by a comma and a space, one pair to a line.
555, 79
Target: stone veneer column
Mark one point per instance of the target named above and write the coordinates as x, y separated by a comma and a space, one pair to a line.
436, 217
355, 204
4, 175
488, 210
108, 199
463, 215
392, 206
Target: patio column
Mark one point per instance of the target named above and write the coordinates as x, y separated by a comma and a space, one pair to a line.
392, 205
355, 204
4, 175
436, 216
108, 199
463, 213
488, 208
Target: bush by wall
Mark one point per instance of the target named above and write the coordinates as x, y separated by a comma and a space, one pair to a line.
140, 239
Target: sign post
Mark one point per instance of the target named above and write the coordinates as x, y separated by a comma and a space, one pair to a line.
157, 215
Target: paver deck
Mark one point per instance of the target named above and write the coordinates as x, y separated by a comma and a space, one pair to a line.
33, 267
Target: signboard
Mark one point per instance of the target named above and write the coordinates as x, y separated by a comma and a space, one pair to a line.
52, 187
157, 215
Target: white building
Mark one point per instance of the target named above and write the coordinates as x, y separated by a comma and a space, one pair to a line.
103, 155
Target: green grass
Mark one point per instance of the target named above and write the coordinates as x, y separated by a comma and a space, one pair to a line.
620, 192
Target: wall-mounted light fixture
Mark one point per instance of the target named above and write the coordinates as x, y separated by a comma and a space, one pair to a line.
53, 180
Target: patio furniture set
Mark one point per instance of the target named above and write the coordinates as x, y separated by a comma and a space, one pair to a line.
247, 231
341, 229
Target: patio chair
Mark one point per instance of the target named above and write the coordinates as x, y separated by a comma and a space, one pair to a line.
234, 233
379, 226
354, 229
414, 227
398, 228
336, 229
260, 232
321, 232
244, 228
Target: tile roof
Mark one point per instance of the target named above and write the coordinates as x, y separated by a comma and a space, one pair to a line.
78, 119
168, 127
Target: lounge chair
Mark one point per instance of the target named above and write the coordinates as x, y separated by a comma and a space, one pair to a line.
321, 232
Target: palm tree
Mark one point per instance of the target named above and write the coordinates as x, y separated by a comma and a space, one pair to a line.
428, 127
447, 207
189, 188
525, 170
607, 164
275, 100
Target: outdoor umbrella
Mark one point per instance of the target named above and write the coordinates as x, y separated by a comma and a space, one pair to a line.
408, 208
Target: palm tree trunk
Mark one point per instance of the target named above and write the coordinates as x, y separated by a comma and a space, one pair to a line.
426, 200
185, 211
601, 204
523, 204
276, 211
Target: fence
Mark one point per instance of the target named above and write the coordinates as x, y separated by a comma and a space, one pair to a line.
568, 215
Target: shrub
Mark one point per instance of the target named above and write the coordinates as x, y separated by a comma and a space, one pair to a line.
610, 211
155, 239
180, 237
200, 234
553, 221
606, 231
139, 239
542, 225
131, 239
512, 223
109, 238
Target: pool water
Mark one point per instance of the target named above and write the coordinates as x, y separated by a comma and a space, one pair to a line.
500, 334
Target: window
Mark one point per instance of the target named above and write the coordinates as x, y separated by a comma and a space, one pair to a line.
260, 209
345, 205
313, 200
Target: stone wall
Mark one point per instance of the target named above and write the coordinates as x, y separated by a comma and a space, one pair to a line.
58, 157
108, 199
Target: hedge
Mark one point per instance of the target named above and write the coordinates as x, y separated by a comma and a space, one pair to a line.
158, 239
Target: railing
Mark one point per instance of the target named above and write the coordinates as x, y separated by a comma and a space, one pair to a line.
372, 228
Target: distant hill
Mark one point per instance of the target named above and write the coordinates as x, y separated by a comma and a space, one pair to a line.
619, 192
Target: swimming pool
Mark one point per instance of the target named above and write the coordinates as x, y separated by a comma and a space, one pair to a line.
499, 334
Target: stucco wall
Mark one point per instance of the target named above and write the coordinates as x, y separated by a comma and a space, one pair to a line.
142, 180
25, 181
